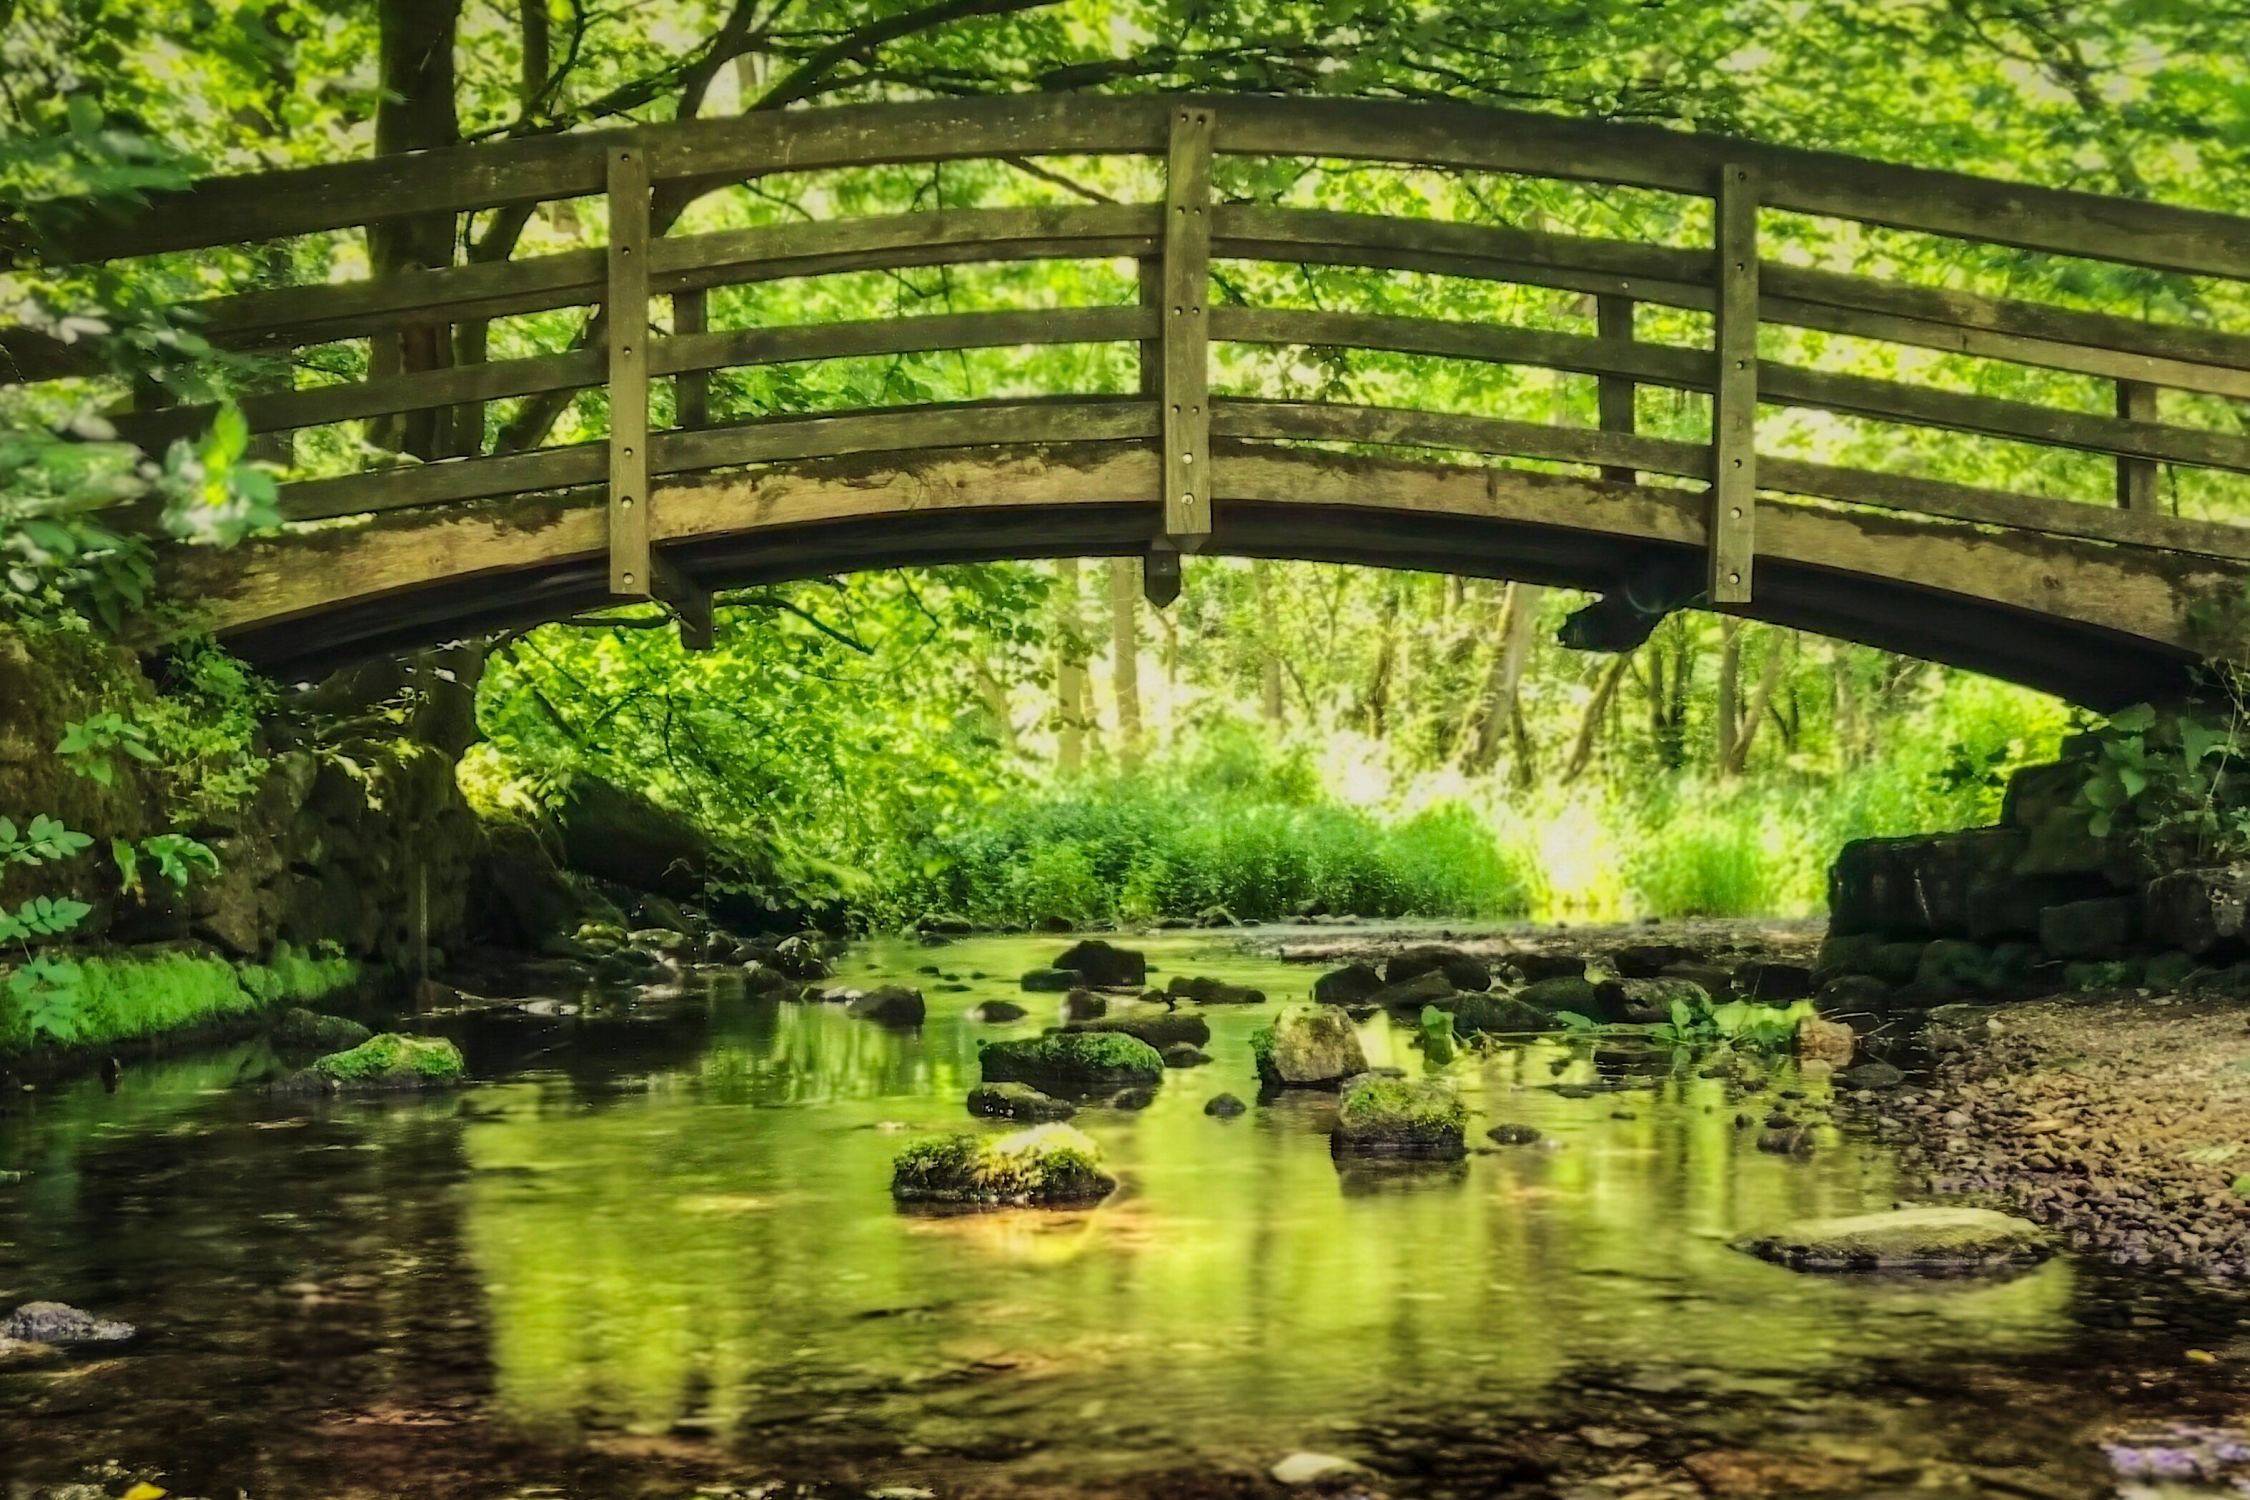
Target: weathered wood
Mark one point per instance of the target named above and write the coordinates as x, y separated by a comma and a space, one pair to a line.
1186, 393
267, 205
1779, 384
1160, 573
959, 425
691, 390
631, 564
1614, 395
926, 334
2136, 477
1734, 410
687, 599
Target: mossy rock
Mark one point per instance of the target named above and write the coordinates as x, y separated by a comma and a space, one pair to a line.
1846, 953
1016, 1101
1907, 1239
393, 1061
2094, 975
1046, 1166
300, 1030
1308, 1046
1954, 969
1399, 1117
1073, 1064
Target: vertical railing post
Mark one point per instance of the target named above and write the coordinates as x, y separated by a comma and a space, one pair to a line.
1734, 406
1160, 561
1613, 319
691, 390
631, 569
1186, 322
2136, 477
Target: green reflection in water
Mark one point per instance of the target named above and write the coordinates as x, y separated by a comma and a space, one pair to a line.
718, 1246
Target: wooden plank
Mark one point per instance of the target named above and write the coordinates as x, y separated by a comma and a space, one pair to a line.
928, 334
1186, 393
691, 390
1734, 411
414, 486
245, 209
2136, 477
319, 406
1323, 422
1779, 384
959, 425
1614, 395
631, 565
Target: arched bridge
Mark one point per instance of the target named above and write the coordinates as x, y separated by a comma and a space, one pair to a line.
2107, 596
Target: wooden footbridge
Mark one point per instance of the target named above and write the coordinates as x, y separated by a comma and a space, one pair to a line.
2103, 597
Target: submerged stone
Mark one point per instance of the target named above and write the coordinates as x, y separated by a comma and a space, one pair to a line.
997, 1012
889, 1004
1308, 1046
1905, 1239
1512, 1135
300, 1030
1104, 964
1399, 1117
1016, 1101
1829, 1042
1083, 1005
1223, 1106
1045, 1166
1425, 988
1500, 1013
1160, 1029
1299, 1470
1185, 1055
1206, 991
1460, 970
1051, 981
1353, 983
58, 1324
1073, 1064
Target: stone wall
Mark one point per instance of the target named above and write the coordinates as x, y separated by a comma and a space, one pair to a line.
2032, 905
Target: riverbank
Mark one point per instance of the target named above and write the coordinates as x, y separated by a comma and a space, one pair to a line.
2123, 1121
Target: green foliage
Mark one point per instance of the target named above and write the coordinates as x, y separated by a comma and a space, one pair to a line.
1402, 1109
2170, 778
43, 841
1743, 1024
89, 743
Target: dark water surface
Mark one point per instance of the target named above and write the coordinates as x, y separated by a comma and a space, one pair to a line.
654, 1253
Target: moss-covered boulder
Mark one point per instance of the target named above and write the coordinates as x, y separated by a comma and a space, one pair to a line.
387, 1062
1051, 1166
1308, 1046
1016, 1101
300, 1030
1905, 1239
1073, 1064
1399, 1117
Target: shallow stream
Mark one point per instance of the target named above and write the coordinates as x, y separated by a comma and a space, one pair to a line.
653, 1252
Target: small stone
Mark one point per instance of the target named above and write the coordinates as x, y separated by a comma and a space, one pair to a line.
58, 1323
1016, 1101
1512, 1135
1301, 1469
1224, 1106
1924, 1239
1830, 1042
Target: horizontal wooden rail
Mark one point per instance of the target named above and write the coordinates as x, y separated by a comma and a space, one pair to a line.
707, 152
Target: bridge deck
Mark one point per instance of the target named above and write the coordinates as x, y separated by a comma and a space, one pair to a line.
2104, 597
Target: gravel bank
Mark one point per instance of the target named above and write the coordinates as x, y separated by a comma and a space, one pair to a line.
2123, 1122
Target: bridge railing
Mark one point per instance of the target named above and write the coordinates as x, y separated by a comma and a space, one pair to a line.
647, 172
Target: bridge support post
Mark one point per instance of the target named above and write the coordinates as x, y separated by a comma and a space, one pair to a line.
1734, 406
2136, 477
631, 574
1186, 321
691, 392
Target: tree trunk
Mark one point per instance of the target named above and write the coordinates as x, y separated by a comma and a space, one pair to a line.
1125, 657
415, 41
1590, 723
1270, 705
1728, 713
1070, 670
1769, 678
1498, 710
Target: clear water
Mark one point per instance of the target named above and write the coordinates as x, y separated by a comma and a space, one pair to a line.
656, 1250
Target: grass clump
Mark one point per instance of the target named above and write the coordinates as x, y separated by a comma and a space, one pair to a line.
295, 977
1045, 1165
124, 998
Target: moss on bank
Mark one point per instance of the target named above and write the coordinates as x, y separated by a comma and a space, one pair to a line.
135, 995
